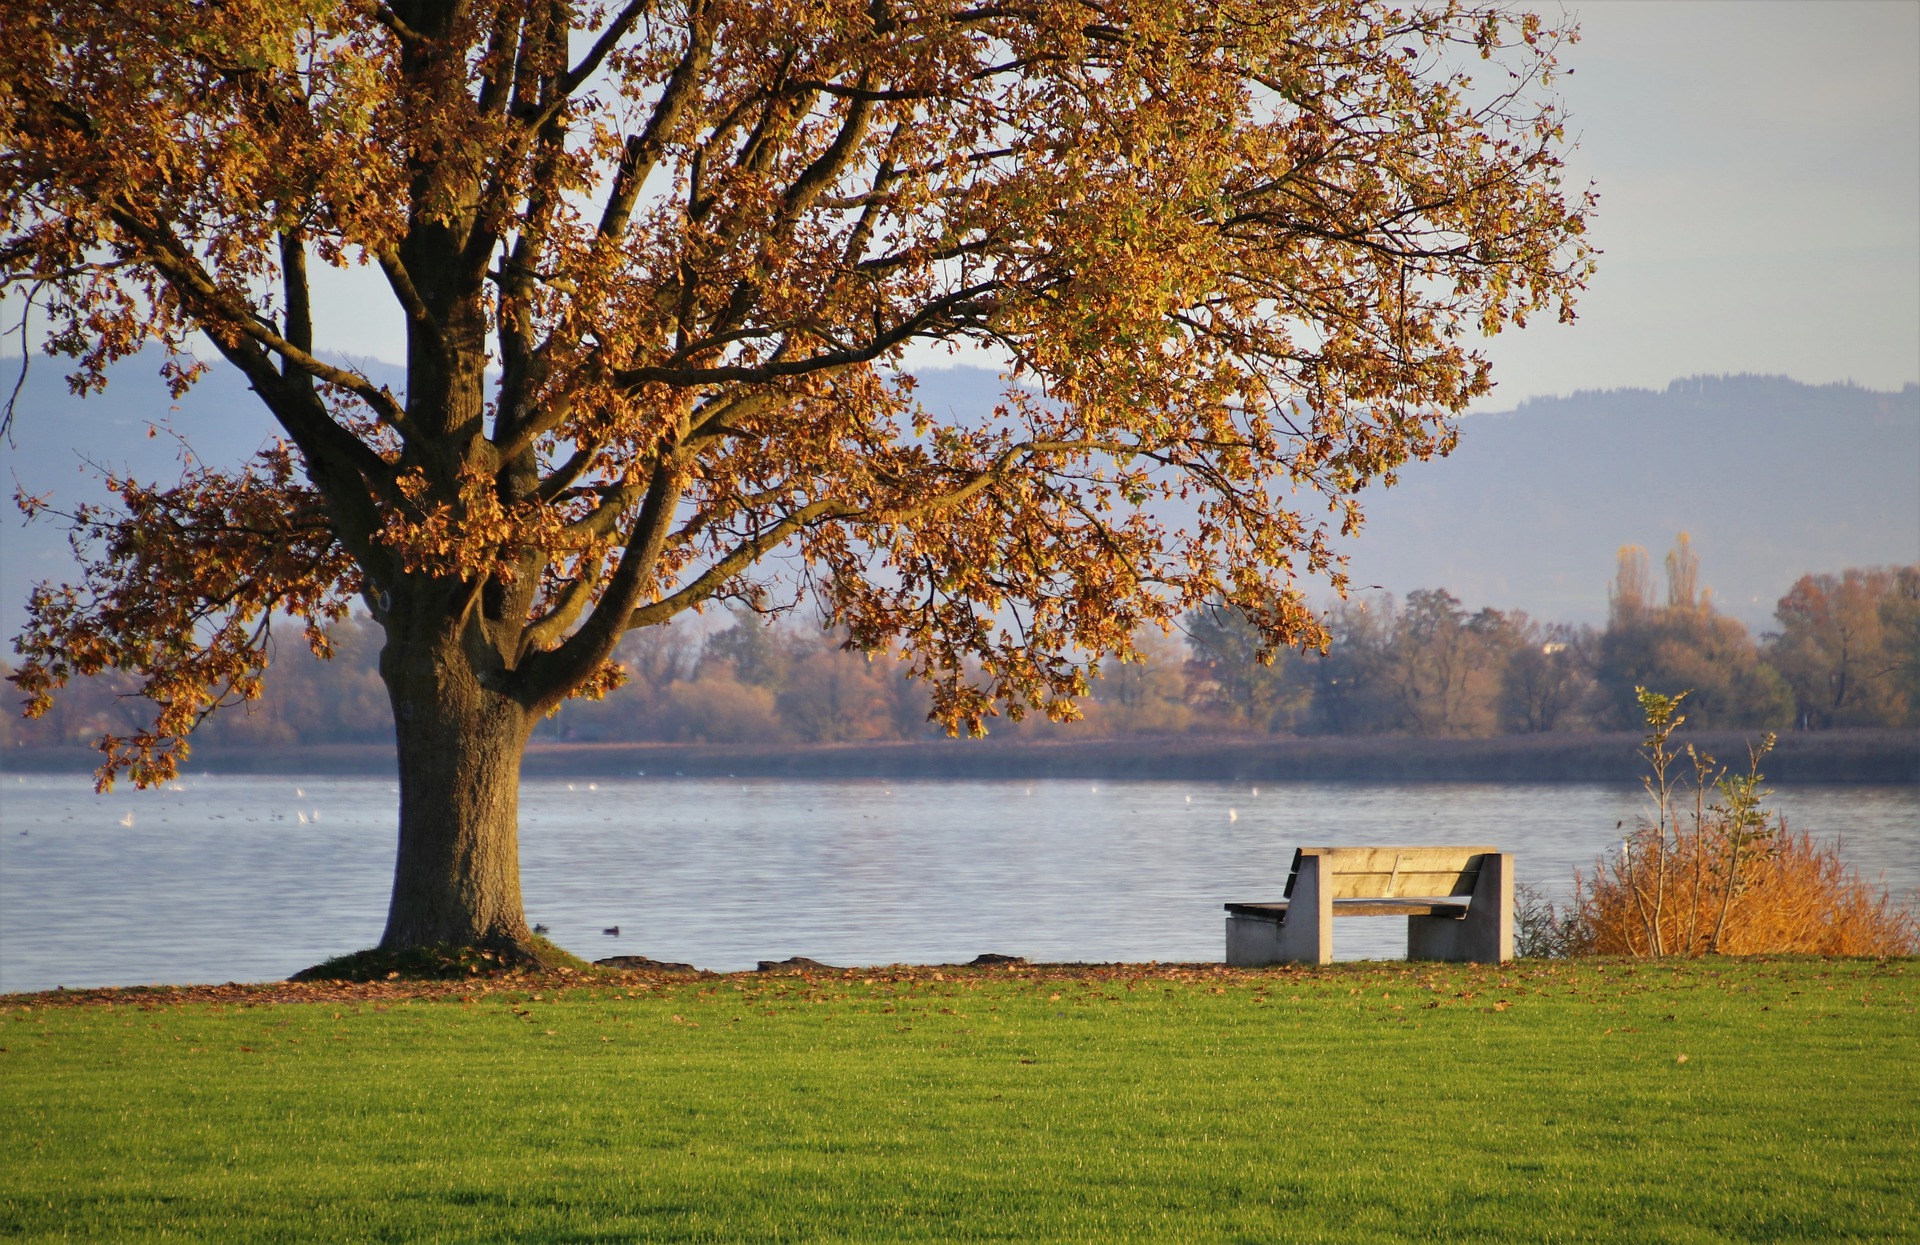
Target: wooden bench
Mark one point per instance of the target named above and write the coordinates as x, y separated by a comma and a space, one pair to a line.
1458, 902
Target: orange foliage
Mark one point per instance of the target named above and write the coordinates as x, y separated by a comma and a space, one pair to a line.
660, 266
1792, 895
1730, 879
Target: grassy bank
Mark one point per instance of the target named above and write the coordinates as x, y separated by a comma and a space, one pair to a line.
1842, 756
1685, 1101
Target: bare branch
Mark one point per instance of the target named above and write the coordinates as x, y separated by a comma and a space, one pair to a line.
544, 632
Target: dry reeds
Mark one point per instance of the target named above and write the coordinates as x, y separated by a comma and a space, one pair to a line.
1724, 876
1791, 895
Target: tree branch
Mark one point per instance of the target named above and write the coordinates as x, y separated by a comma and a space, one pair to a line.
616, 30
293, 280
931, 313
742, 556
401, 283
186, 275
549, 676
574, 598
408, 36
644, 149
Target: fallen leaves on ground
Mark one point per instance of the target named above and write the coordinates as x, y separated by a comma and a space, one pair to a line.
1360, 978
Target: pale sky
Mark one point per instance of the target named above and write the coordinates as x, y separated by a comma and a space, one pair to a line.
1759, 172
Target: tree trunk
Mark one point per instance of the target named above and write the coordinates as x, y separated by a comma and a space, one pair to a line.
456, 880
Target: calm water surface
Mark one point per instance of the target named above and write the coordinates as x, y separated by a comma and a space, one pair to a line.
239, 878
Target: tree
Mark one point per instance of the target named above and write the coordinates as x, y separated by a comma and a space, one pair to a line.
1836, 650
1423, 666
1544, 679
718, 708
92, 707
753, 648
1685, 644
1230, 677
832, 695
658, 263
654, 661
336, 700
1437, 660
1900, 629
1147, 694
1353, 688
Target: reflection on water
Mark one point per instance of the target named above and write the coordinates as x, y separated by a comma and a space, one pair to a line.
238, 878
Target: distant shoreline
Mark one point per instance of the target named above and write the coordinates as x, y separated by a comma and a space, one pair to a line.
1840, 756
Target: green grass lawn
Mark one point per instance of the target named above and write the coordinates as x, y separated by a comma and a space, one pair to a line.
1697, 1101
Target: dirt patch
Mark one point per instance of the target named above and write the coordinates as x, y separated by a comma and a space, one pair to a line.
611, 978
646, 964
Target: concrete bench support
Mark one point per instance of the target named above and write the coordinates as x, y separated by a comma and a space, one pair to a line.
1458, 902
1303, 936
1485, 934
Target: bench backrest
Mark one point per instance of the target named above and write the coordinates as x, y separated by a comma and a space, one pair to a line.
1395, 872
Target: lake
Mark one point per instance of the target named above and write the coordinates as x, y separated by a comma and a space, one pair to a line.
220, 878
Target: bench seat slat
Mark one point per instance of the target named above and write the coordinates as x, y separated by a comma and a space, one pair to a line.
1399, 907
1362, 907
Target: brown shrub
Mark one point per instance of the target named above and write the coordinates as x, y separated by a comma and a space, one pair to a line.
1790, 894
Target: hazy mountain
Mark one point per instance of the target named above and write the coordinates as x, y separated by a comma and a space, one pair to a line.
58, 443
1773, 478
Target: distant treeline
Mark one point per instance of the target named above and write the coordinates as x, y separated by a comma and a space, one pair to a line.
1847, 654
